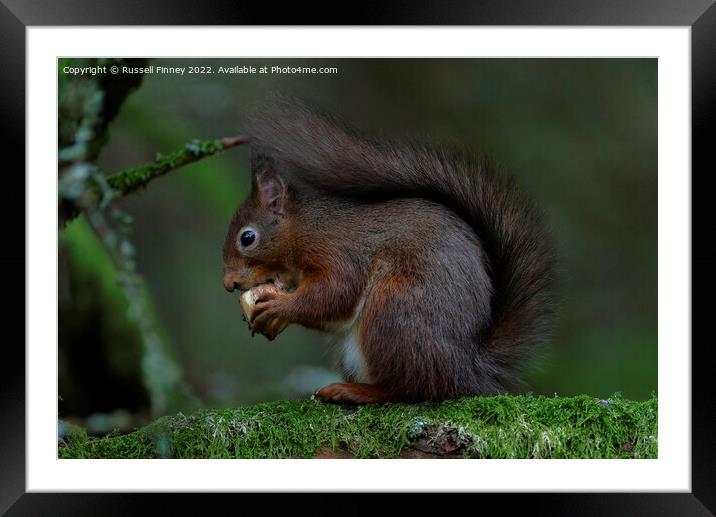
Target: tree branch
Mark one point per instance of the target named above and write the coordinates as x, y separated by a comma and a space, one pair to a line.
129, 180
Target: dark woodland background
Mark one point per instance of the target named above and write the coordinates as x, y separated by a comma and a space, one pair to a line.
579, 134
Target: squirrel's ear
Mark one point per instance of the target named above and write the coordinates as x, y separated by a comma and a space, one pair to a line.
268, 185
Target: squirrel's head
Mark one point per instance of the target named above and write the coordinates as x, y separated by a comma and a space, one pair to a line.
256, 245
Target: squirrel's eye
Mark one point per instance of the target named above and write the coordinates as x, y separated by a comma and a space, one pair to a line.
247, 238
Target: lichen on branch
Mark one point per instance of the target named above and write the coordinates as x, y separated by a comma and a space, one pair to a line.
129, 180
87, 104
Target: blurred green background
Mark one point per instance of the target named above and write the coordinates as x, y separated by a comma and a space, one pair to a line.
580, 135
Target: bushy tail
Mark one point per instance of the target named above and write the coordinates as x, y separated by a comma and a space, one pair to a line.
335, 158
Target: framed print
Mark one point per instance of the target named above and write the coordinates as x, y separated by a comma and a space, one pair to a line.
464, 251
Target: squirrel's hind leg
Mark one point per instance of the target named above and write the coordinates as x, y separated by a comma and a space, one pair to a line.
351, 393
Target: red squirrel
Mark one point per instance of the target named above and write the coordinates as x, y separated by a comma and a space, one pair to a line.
433, 271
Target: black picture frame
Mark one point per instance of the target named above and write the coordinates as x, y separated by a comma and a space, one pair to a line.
700, 15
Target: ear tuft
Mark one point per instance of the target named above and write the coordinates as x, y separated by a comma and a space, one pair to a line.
268, 185
272, 192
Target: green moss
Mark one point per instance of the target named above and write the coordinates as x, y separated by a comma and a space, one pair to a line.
129, 180
480, 427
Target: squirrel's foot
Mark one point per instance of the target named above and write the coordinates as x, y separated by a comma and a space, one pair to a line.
351, 393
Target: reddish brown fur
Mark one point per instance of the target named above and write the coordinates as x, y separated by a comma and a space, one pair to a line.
352, 392
451, 266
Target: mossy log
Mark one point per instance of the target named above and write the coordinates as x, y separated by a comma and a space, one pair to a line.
477, 427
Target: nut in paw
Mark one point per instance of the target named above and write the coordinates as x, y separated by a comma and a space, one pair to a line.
260, 309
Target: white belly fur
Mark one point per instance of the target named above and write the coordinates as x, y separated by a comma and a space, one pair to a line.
346, 333
353, 361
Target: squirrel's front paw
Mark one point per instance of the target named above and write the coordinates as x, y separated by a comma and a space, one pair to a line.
268, 316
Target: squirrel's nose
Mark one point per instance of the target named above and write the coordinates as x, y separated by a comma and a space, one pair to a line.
230, 282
